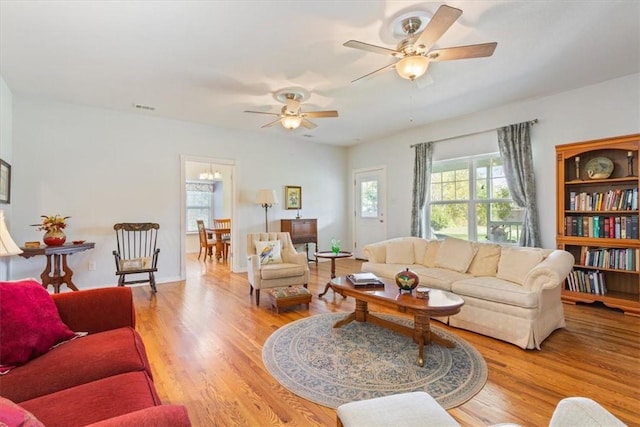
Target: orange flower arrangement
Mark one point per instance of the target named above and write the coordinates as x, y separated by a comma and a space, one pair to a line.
52, 222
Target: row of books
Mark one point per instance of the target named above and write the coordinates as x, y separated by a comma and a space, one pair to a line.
612, 227
586, 281
613, 258
612, 200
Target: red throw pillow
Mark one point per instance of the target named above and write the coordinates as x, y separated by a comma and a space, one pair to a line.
30, 323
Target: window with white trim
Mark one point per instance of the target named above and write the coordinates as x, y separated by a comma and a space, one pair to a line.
199, 204
470, 199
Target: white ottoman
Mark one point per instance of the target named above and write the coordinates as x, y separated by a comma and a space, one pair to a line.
407, 409
583, 412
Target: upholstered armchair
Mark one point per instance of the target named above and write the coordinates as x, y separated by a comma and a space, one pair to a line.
272, 265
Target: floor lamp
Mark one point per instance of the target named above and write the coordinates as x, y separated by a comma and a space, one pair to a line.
266, 199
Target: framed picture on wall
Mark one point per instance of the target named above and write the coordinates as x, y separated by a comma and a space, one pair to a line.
5, 182
292, 197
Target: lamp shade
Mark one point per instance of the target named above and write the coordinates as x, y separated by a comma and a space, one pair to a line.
412, 67
7, 245
291, 122
266, 197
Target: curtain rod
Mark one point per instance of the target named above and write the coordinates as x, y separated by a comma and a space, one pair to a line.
531, 122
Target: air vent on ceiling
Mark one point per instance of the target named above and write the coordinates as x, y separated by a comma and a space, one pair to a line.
144, 107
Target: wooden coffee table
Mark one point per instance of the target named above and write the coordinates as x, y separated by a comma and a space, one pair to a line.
439, 303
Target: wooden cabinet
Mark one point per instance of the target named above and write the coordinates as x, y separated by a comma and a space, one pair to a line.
597, 220
302, 231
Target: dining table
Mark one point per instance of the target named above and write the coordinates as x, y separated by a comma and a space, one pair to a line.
219, 232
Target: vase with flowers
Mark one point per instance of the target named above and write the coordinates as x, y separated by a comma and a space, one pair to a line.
53, 226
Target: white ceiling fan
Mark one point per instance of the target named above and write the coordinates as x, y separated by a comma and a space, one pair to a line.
291, 115
414, 53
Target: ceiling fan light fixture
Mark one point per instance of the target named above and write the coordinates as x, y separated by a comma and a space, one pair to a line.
412, 67
291, 122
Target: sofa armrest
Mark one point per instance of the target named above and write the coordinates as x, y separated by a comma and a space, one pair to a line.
253, 270
96, 310
376, 252
294, 257
155, 416
550, 272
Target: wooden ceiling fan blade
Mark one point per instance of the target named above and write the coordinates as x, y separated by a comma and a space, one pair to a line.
372, 48
319, 114
371, 74
463, 52
444, 17
273, 123
261, 112
309, 125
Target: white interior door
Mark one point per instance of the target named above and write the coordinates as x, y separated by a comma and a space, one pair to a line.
370, 208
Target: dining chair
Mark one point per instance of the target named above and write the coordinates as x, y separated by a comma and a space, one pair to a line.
225, 238
205, 242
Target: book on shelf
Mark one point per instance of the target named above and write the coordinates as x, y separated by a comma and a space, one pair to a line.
613, 200
591, 282
365, 280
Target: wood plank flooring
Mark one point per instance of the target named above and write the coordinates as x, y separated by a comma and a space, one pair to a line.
204, 339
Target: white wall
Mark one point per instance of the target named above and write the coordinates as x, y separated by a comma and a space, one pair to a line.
607, 109
102, 167
6, 150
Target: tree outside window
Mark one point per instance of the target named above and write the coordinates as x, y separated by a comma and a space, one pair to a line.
470, 200
199, 204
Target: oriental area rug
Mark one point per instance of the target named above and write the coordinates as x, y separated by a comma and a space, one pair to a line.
361, 361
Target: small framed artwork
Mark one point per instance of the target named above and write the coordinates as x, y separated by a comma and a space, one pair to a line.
292, 197
5, 182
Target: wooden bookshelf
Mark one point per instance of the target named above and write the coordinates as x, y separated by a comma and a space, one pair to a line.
597, 222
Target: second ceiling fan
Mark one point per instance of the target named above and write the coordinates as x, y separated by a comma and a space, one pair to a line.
291, 115
414, 52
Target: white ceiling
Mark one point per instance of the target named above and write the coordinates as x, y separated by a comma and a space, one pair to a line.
208, 61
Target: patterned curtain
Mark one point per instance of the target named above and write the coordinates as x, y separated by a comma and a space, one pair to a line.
515, 148
199, 186
421, 185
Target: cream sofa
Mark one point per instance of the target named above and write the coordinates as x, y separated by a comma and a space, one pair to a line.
510, 293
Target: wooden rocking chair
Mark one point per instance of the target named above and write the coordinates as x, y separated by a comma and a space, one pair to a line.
137, 252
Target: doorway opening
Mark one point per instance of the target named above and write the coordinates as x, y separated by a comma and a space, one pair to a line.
208, 193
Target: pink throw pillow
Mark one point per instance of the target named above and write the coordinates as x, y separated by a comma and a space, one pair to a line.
12, 415
30, 323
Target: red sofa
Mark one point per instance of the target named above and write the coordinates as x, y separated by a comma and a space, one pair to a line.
101, 379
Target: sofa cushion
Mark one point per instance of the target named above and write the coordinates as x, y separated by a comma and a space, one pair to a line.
400, 252
77, 362
431, 253
279, 271
269, 251
12, 415
485, 262
455, 254
497, 290
419, 250
95, 401
30, 324
516, 262
439, 278
155, 416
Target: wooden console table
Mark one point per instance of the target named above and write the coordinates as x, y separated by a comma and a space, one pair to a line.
53, 271
302, 230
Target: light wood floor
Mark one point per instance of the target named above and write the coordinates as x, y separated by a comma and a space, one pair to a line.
204, 339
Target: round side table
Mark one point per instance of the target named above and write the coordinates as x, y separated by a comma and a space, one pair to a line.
333, 257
